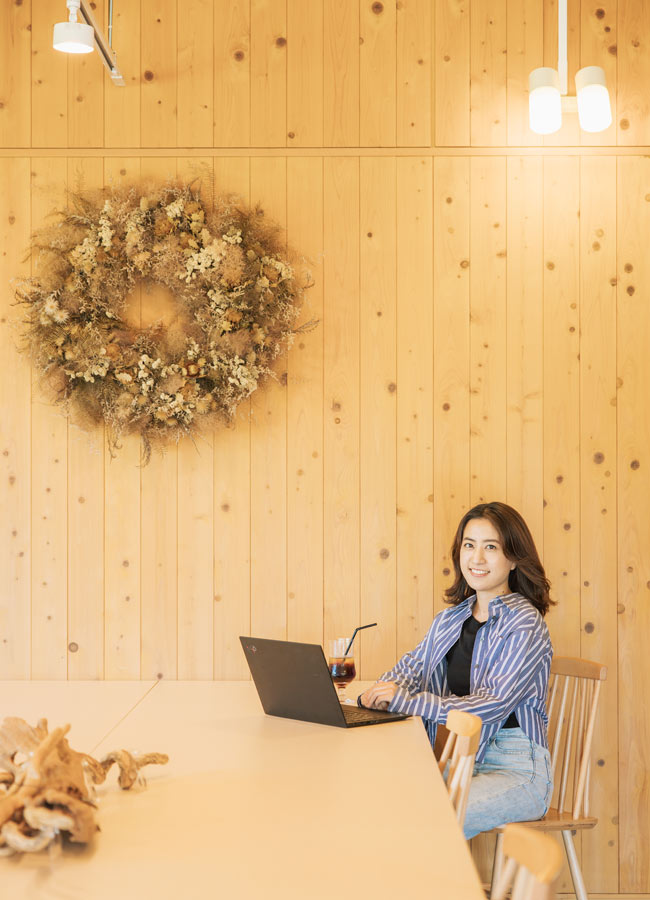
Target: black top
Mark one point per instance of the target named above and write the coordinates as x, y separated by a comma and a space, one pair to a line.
459, 664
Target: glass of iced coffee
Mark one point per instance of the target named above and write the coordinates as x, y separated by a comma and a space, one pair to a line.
341, 665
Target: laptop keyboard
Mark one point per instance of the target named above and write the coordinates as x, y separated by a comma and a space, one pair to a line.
359, 714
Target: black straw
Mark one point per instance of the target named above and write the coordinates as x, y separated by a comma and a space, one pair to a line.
347, 649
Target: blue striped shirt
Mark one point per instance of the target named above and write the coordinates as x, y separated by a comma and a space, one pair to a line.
510, 669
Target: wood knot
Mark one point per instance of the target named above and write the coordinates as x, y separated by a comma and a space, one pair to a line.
628, 267
567, 526
600, 13
446, 571
239, 55
148, 75
550, 265
624, 124
635, 464
392, 387
612, 49
446, 407
599, 458
464, 263
281, 42
559, 478
291, 134
630, 290
125, 563
377, 8
384, 553
73, 646
589, 627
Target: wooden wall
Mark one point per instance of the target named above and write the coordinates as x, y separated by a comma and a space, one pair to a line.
484, 303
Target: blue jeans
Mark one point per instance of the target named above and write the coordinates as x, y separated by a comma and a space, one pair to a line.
513, 783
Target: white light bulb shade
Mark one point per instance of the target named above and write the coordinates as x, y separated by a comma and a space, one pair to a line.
594, 110
544, 101
73, 37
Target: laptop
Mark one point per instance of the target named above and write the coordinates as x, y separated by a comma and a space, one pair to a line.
294, 682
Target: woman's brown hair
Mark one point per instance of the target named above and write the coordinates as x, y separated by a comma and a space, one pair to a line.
527, 578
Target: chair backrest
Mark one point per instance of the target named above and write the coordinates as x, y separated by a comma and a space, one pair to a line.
533, 864
459, 751
574, 691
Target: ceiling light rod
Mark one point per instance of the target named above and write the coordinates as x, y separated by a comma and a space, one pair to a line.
562, 55
104, 47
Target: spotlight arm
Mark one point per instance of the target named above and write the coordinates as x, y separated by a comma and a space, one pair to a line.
104, 48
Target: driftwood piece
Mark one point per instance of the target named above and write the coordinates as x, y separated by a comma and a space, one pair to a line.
47, 788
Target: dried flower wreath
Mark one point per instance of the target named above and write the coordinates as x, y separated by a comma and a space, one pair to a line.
238, 295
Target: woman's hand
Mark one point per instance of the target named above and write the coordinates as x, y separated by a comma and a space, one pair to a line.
379, 695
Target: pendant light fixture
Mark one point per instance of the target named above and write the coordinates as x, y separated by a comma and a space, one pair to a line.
73, 36
548, 91
82, 37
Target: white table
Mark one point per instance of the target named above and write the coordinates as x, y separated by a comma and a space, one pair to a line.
249, 806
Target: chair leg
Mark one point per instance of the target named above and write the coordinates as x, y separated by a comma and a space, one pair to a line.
497, 864
574, 867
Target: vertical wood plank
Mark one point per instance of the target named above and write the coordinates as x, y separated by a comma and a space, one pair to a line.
341, 392
525, 352
15, 93
598, 48
377, 426
414, 527
196, 524
598, 573
85, 512
268, 73
49, 78
159, 73
158, 523
195, 76
562, 399
377, 73
305, 73
232, 73
340, 73
86, 95
525, 44
232, 499
633, 65
49, 514
633, 482
15, 443
122, 519
414, 64
452, 73
451, 360
305, 413
122, 104
488, 106
269, 450
488, 329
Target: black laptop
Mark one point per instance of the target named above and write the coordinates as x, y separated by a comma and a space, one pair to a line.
293, 682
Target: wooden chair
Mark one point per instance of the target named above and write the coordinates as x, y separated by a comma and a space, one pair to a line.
533, 864
459, 751
573, 702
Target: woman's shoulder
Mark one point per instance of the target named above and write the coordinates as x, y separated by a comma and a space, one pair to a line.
523, 614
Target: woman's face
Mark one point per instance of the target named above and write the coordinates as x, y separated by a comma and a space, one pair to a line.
482, 560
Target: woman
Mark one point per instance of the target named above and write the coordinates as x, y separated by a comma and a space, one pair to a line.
489, 654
